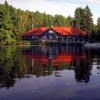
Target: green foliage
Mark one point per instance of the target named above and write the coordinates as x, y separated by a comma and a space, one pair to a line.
84, 19
14, 22
80, 17
60, 20
6, 25
88, 20
98, 24
69, 20
98, 29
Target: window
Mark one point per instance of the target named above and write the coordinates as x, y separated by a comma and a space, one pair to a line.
50, 31
56, 37
50, 37
44, 37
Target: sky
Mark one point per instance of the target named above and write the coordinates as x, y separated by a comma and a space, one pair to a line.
53, 7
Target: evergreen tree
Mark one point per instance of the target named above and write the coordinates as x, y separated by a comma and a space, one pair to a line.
98, 28
98, 24
7, 25
84, 20
88, 20
79, 17
1, 24
14, 22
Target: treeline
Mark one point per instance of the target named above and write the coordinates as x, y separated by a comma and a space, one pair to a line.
13, 22
83, 20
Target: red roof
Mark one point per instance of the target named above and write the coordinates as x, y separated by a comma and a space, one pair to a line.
60, 30
68, 31
36, 31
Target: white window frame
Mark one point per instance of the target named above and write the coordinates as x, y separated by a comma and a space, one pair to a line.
51, 31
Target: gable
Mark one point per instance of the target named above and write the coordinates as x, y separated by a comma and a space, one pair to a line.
49, 32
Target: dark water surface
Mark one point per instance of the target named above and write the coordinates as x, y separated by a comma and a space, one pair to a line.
49, 73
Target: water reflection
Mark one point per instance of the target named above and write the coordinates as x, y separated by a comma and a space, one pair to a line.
23, 62
59, 58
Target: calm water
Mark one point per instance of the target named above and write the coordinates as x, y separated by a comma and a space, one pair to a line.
49, 73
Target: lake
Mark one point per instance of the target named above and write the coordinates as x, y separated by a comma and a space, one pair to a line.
49, 73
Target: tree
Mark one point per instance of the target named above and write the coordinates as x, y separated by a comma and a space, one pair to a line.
6, 25
69, 19
1, 22
88, 20
14, 22
79, 17
98, 28
84, 20
60, 20
98, 24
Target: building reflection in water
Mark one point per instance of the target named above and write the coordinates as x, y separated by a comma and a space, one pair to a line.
60, 58
23, 62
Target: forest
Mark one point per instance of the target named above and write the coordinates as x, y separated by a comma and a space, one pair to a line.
14, 22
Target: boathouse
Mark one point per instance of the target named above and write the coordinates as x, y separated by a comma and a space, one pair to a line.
56, 35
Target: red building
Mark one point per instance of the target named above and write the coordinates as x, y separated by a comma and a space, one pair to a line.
56, 34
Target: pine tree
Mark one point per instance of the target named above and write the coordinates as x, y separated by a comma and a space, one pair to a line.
88, 20
84, 20
80, 18
98, 24
98, 28
1, 22
7, 25
14, 22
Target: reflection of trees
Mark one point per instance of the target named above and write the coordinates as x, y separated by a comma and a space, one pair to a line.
35, 67
6, 80
6, 66
10, 61
82, 71
78, 61
95, 54
82, 68
43, 61
95, 58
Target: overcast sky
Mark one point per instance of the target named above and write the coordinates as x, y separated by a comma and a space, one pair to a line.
63, 7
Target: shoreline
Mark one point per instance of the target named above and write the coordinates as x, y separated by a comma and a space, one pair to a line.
85, 44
